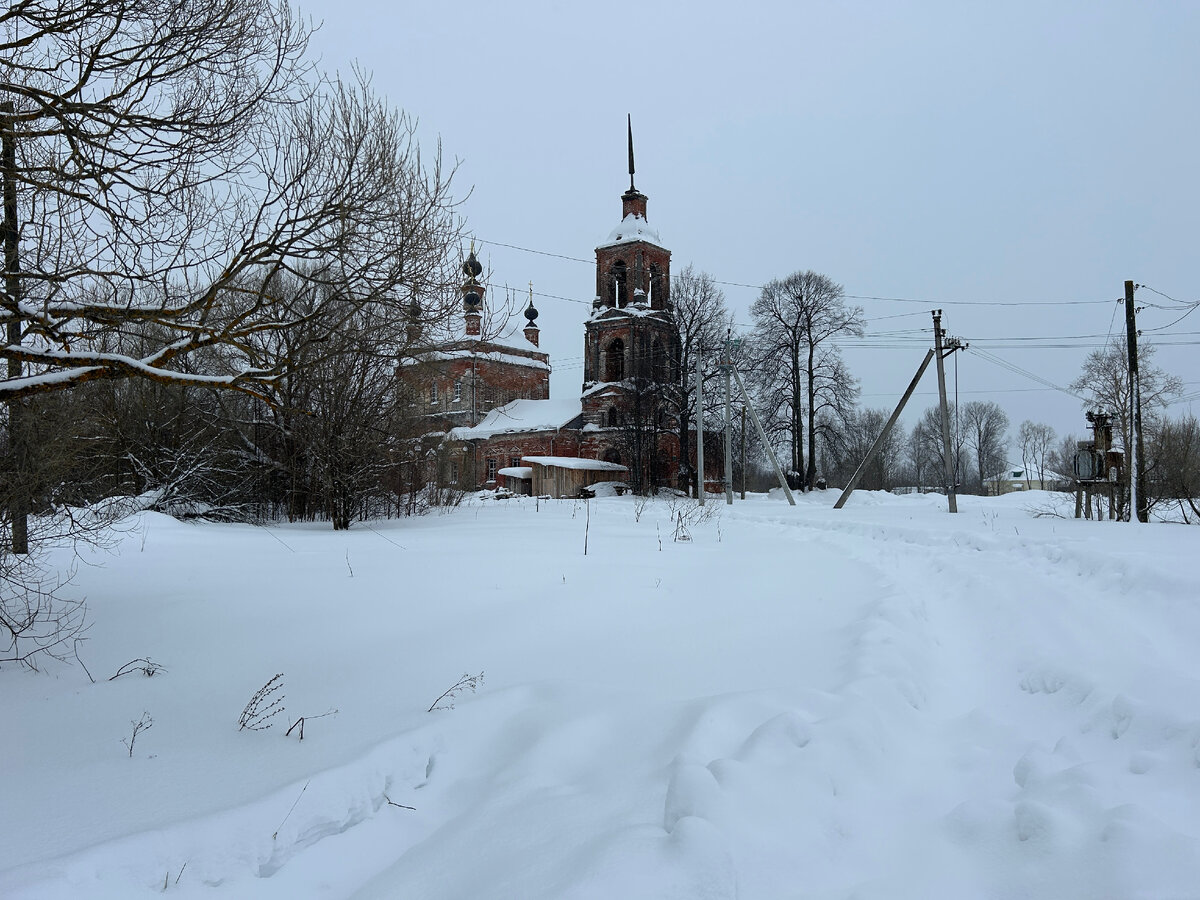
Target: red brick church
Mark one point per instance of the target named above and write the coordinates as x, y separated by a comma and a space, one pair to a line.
491, 403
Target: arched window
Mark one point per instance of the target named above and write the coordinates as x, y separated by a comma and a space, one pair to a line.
614, 360
620, 283
614, 418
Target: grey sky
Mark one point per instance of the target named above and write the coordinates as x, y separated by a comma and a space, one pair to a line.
944, 152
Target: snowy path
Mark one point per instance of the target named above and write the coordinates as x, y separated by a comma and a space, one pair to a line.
885, 702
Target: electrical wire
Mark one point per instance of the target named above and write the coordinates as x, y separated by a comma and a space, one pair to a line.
759, 287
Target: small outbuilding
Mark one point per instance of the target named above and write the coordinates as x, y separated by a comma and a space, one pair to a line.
518, 479
566, 476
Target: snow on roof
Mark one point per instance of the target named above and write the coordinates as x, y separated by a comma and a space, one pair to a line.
491, 355
575, 462
516, 472
632, 228
521, 415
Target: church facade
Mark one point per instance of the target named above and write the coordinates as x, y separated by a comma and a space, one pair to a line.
490, 403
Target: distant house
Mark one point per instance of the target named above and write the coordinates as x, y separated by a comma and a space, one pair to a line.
1011, 480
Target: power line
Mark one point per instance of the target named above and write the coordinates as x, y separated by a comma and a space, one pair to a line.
759, 287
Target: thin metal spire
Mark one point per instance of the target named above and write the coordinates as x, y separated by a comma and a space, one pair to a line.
629, 121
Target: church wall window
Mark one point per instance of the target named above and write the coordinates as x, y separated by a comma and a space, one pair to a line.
619, 276
614, 360
433, 392
491, 469
458, 390
614, 418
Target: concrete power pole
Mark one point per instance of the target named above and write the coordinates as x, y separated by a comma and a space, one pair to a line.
700, 428
762, 436
941, 372
726, 366
883, 435
743, 451
1139, 501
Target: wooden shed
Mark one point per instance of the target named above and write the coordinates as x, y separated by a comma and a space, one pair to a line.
565, 476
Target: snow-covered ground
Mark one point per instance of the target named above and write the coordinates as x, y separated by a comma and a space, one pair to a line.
884, 701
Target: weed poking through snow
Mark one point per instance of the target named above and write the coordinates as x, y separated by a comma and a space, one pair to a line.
145, 723
466, 683
263, 706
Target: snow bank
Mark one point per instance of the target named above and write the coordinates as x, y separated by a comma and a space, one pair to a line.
883, 701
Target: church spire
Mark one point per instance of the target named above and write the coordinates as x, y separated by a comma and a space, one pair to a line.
629, 122
633, 202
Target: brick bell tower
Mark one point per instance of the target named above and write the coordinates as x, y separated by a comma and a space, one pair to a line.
631, 343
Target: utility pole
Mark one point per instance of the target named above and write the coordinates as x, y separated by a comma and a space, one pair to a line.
941, 371
726, 366
19, 500
700, 427
743, 451
883, 435
762, 436
1139, 501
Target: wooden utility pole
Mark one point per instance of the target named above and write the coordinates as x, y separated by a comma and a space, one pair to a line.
18, 509
700, 428
883, 435
941, 371
1139, 501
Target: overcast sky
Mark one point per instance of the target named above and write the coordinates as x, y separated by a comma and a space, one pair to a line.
1027, 154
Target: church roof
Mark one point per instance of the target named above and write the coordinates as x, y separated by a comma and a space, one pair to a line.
632, 228
521, 415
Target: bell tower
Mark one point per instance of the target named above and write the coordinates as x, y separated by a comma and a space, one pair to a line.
631, 342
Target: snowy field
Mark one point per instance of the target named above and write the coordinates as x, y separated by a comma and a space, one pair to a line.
885, 701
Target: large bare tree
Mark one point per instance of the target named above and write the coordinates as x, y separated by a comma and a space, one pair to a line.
703, 321
169, 162
798, 371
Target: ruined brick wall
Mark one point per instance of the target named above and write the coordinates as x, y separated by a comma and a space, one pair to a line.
468, 390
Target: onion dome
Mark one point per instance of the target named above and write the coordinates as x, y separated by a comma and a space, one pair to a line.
471, 266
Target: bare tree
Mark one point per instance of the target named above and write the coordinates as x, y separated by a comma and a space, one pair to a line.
1035, 439
1176, 470
1060, 459
798, 371
846, 442
165, 165
917, 455
985, 426
703, 321
170, 162
929, 433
